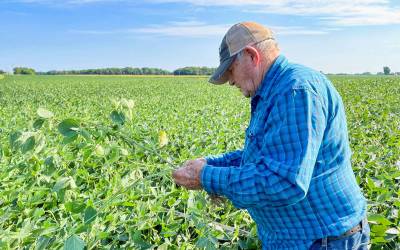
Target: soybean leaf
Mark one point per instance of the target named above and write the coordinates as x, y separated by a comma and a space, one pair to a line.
38, 123
85, 134
69, 139
28, 145
90, 215
42, 243
75, 207
139, 242
99, 150
128, 103
378, 219
74, 243
14, 142
61, 184
44, 113
117, 117
206, 242
162, 138
69, 127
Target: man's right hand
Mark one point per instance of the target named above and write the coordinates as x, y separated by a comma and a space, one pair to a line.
215, 199
188, 162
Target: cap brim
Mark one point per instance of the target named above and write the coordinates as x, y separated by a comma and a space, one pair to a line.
219, 77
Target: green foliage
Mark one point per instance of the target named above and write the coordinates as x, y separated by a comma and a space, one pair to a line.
69, 127
194, 71
83, 168
110, 71
23, 71
386, 70
74, 243
133, 71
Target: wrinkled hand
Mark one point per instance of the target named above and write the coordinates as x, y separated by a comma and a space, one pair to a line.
188, 175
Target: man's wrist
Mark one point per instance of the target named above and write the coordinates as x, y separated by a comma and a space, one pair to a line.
214, 180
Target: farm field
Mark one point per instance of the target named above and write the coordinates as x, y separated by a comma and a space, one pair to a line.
86, 161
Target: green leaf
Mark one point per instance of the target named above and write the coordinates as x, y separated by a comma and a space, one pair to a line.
61, 184
127, 103
206, 243
82, 228
38, 123
90, 215
85, 134
75, 207
69, 139
74, 243
44, 113
162, 138
378, 219
14, 142
69, 127
42, 243
28, 145
139, 242
99, 150
117, 117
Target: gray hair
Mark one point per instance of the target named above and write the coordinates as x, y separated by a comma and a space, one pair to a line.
264, 47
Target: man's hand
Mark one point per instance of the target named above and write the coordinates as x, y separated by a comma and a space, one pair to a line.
188, 175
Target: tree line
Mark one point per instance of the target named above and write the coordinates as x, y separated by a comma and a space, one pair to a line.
117, 71
146, 71
109, 71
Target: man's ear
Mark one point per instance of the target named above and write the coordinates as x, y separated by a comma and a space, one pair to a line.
254, 54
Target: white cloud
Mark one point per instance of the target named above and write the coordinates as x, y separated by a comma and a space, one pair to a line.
197, 29
187, 29
332, 12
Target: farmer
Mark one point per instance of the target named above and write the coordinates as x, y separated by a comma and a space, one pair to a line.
294, 172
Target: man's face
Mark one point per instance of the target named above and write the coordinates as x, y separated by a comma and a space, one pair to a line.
241, 75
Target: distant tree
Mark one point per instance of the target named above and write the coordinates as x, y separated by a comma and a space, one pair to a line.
366, 73
2, 72
110, 71
23, 71
194, 71
386, 70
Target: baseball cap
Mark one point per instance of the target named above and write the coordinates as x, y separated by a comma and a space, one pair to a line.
235, 40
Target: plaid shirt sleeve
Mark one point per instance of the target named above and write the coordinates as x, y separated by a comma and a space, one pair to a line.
281, 173
225, 160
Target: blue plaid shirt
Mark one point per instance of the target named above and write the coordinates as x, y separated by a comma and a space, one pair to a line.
294, 173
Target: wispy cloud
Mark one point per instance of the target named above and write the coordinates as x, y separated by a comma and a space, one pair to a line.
331, 12
187, 29
196, 29
175, 29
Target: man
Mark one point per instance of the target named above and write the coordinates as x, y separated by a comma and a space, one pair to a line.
294, 173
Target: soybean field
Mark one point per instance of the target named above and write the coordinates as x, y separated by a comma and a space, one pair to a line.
86, 161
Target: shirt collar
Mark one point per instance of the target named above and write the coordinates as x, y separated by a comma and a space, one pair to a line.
270, 76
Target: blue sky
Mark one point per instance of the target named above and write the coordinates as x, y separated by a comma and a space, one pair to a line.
329, 35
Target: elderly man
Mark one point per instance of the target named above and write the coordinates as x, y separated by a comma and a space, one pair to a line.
294, 173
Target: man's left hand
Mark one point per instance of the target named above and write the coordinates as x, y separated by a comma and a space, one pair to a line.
188, 175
